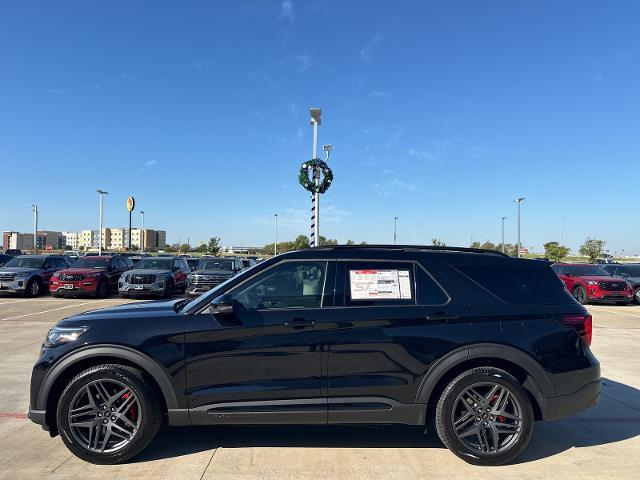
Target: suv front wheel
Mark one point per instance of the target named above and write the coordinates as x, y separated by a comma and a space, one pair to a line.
485, 417
108, 414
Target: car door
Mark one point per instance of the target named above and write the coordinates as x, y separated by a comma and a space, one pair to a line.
263, 360
116, 267
50, 266
392, 321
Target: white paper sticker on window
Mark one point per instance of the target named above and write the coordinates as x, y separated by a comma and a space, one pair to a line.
380, 284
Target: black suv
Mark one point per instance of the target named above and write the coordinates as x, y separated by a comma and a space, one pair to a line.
475, 342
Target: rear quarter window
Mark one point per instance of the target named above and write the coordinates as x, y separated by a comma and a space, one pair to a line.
526, 284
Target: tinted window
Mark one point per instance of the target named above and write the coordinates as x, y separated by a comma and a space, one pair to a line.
155, 263
91, 262
27, 262
287, 285
379, 283
428, 291
519, 284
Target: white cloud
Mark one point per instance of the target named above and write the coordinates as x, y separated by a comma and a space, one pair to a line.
286, 11
298, 220
379, 94
150, 163
388, 187
421, 154
365, 52
303, 61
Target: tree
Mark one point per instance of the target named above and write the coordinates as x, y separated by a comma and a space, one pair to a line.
300, 243
592, 248
184, 248
202, 248
326, 241
488, 245
437, 243
213, 247
350, 242
554, 251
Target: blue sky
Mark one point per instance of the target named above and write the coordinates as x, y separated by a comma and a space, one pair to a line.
440, 113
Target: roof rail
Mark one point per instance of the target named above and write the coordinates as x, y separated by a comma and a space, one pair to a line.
416, 247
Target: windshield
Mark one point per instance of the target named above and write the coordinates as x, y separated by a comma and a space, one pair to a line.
26, 262
215, 265
154, 264
588, 271
88, 262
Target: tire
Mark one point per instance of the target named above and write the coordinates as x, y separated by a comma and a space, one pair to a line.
34, 287
509, 398
580, 294
123, 295
623, 304
102, 290
636, 296
168, 289
143, 413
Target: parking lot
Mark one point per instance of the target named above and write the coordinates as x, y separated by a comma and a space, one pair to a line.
602, 442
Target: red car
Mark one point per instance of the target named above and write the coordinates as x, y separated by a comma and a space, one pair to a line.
590, 283
96, 276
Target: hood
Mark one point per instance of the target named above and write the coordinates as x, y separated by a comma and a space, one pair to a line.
148, 271
127, 311
19, 269
599, 278
84, 271
226, 273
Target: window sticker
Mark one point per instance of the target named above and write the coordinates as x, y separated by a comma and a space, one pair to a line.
380, 284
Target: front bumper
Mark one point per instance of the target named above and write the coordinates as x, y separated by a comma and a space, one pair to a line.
18, 285
133, 289
80, 287
596, 294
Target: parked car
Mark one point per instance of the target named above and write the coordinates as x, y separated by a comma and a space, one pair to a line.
630, 272
483, 343
192, 262
14, 252
591, 283
92, 275
29, 275
211, 272
73, 254
156, 276
4, 258
248, 262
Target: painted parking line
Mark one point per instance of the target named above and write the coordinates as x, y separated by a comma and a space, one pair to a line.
600, 309
52, 310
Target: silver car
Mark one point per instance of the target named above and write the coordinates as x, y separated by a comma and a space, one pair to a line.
154, 276
29, 275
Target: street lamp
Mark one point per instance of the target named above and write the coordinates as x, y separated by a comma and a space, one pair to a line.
395, 229
275, 245
102, 194
503, 219
35, 226
562, 229
519, 201
142, 233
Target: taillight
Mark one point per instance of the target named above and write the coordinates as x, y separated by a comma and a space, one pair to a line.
583, 324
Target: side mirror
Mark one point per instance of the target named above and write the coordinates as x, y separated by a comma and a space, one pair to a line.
221, 306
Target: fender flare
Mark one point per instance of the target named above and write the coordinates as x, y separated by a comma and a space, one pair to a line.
118, 351
537, 382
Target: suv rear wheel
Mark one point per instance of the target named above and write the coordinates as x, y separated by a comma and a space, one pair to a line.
108, 414
485, 417
33, 288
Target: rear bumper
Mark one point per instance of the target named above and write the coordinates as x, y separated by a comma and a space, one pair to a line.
584, 388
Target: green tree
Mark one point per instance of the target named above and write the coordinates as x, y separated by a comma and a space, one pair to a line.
438, 243
592, 248
300, 243
475, 244
213, 247
322, 241
350, 242
202, 248
488, 245
184, 248
554, 251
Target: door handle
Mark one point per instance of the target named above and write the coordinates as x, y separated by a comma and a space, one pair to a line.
440, 317
299, 323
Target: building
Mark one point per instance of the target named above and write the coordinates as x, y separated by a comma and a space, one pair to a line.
104, 239
21, 241
85, 239
70, 240
48, 238
119, 238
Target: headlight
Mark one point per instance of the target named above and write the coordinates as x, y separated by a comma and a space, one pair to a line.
59, 335
22, 274
92, 275
592, 282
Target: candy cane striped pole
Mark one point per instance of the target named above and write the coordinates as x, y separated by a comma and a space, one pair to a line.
315, 197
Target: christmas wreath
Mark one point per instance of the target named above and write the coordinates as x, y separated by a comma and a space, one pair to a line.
308, 183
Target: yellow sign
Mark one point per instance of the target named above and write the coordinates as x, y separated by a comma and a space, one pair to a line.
131, 204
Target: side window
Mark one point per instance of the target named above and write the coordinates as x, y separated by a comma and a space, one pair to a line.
184, 265
176, 264
286, 285
379, 283
429, 292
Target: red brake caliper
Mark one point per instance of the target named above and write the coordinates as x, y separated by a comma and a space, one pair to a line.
132, 410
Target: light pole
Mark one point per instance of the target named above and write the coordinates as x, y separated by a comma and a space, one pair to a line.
142, 233
102, 194
562, 229
275, 245
519, 201
35, 226
503, 219
395, 229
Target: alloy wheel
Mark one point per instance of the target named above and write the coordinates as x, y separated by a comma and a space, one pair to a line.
34, 289
104, 416
487, 418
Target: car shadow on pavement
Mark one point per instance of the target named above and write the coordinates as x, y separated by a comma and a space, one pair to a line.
615, 418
